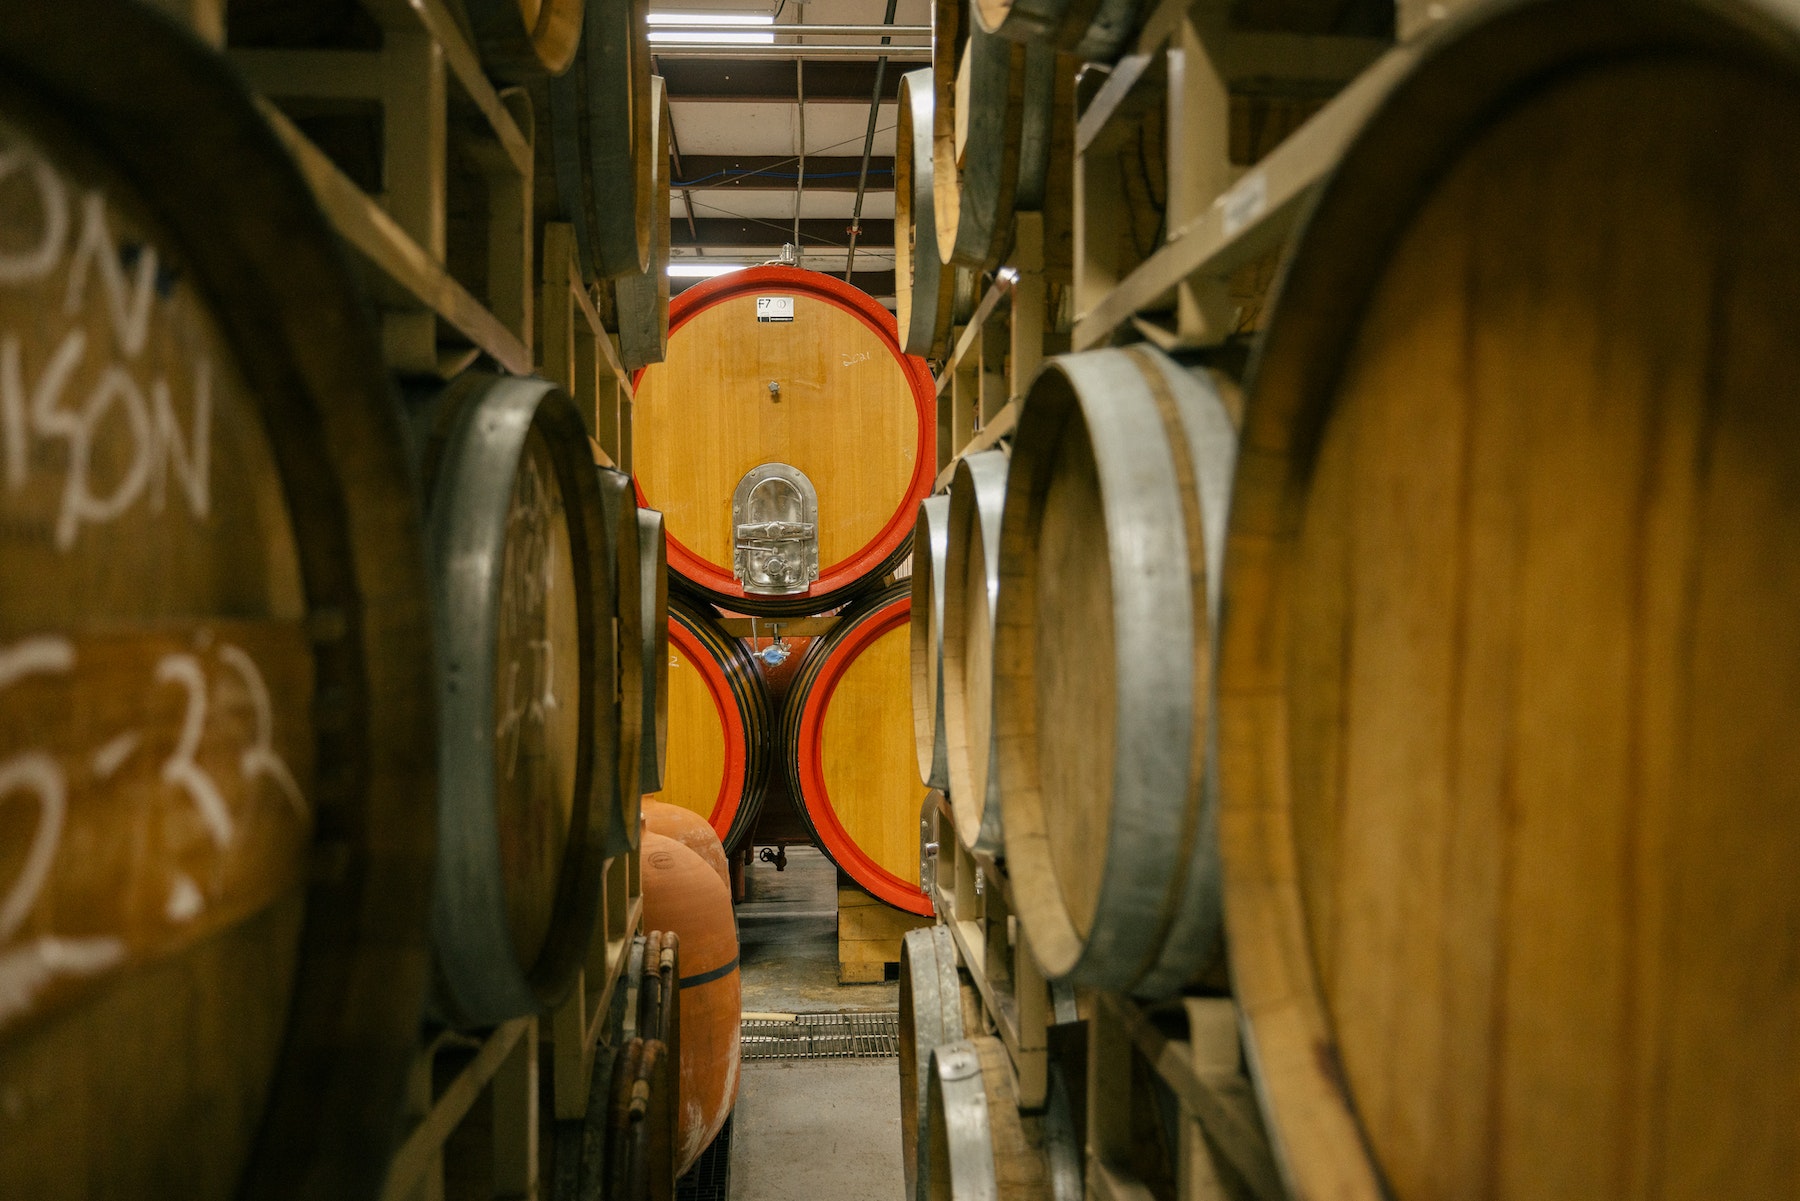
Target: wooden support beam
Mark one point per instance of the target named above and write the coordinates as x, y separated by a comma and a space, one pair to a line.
400, 259
1253, 216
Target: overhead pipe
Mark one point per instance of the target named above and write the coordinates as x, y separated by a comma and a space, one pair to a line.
862, 176
836, 31
904, 53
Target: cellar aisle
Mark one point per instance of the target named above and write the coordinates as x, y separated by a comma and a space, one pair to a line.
809, 1129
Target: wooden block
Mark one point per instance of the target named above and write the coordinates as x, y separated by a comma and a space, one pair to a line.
869, 934
861, 973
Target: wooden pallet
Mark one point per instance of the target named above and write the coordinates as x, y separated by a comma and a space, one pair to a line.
869, 934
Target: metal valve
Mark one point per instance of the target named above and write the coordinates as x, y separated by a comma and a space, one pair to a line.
775, 530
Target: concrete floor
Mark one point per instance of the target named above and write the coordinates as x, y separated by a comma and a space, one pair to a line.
817, 1130
809, 1129
787, 935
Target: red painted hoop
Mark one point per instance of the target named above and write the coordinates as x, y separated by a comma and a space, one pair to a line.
814, 795
731, 786
832, 577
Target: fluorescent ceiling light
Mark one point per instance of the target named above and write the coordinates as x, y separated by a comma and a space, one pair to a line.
678, 37
711, 19
702, 270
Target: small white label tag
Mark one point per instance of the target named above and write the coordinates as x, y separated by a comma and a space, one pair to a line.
774, 308
1245, 202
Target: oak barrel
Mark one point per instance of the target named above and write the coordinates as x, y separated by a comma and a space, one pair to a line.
847, 748
931, 544
521, 40
653, 580
217, 740
641, 299
931, 297
971, 592
935, 1008
828, 393
1511, 793
621, 790
1110, 554
519, 550
720, 725
599, 140
1094, 31
977, 1144
992, 125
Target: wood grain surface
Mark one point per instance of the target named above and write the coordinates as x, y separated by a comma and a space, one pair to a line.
867, 749
214, 648
537, 702
1508, 708
844, 415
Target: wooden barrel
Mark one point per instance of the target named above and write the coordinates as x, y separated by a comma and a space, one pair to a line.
653, 578
1109, 566
519, 553
1094, 31
641, 299
977, 1143
932, 297
971, 592
1511, 792
599, 137
933, 1011
931, 544
828, 393
991, 155
847, 746
720, 725
216, 722
685, 896
621, 789
525, 39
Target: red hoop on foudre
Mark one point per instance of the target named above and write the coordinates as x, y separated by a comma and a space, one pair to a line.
731, 786
815, 796
833, 577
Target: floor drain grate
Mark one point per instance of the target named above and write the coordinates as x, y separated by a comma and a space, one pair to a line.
822, 1036
710, 1177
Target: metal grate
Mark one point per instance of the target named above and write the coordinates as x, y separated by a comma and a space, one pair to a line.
823, 1036
710, 1177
